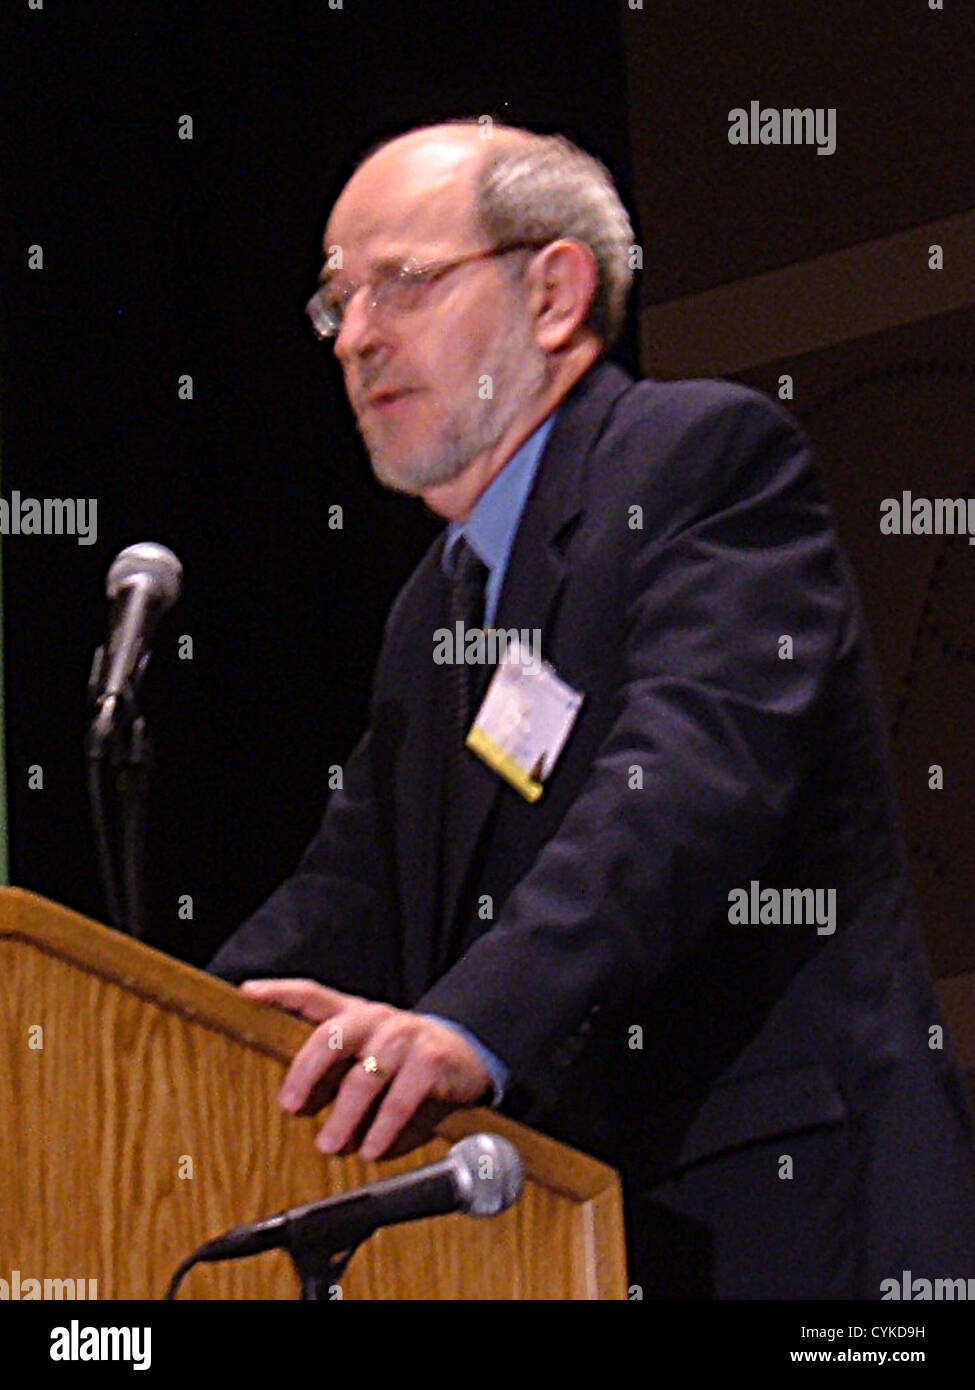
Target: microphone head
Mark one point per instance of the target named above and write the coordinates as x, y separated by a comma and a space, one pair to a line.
157, 565
489, 1171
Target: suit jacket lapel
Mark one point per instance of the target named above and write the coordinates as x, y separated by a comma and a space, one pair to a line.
413, 704
534, 577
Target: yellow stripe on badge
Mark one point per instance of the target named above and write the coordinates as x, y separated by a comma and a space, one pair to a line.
501, 762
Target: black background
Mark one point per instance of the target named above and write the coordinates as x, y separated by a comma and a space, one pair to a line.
165, 256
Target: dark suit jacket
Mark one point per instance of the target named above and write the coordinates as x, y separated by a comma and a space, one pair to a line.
782, 1116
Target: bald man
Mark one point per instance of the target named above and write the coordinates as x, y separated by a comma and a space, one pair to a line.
638, 881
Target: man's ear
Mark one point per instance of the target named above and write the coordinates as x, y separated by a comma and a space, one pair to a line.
562, 279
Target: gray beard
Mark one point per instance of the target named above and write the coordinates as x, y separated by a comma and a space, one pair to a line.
519, 371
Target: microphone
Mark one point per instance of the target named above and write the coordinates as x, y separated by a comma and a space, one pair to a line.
143, 582
481, 1176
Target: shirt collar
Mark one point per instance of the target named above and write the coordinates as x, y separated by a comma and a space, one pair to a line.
490, 528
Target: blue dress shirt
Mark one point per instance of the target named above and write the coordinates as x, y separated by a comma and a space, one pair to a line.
490, 532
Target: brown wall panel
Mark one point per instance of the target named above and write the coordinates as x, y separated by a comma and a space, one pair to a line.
899, 76
895, 412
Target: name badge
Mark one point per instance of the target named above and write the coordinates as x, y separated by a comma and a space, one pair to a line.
524, 720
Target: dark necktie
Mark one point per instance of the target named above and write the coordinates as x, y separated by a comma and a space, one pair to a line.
466, 606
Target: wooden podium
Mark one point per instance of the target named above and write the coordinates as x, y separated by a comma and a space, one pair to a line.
139, 1118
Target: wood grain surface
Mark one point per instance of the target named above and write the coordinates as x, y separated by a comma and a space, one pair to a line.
150, 1071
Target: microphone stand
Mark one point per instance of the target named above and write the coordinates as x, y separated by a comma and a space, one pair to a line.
132, 783
122, 734
318, 1266
320, 1246
319, 1261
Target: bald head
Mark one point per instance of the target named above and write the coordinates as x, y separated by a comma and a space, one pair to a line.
437, 166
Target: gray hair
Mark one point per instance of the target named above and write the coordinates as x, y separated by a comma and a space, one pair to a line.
543, 187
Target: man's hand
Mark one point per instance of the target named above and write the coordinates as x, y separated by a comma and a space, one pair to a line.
414, 1060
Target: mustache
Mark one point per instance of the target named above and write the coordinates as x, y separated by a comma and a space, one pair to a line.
373, 383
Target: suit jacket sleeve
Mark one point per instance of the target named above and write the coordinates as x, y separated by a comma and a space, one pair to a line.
709, 711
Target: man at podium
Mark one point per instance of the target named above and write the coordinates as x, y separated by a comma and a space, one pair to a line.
618, 851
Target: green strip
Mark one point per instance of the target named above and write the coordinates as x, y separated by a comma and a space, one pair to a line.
4, 860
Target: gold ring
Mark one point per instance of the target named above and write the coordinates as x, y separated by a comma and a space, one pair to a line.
373, 1068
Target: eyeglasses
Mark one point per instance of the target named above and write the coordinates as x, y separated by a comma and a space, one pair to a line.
397, 290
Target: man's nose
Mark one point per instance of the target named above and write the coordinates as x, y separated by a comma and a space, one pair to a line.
360, 332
